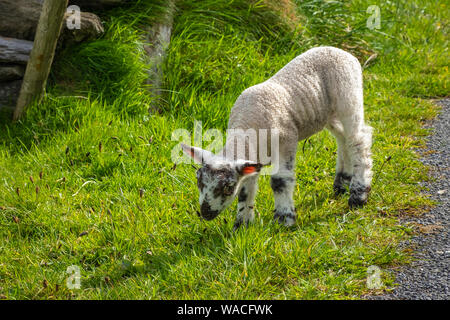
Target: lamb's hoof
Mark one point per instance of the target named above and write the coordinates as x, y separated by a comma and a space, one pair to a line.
338, 190
284, 218
237, 225
340, 181
358, 198
355, 201
239, 222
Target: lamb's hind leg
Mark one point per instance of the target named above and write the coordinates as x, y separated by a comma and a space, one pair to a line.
358, 138
343, 165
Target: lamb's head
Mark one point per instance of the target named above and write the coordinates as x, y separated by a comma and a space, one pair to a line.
218, 179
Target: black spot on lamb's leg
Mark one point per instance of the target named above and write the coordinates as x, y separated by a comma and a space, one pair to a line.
278, 184
283, 188
241, 216
340, 181
359, 194
242, 197
290, 163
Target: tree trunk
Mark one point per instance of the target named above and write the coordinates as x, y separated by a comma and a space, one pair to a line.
41, 56
157, 42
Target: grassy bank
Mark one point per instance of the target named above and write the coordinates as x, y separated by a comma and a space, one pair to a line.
87, 178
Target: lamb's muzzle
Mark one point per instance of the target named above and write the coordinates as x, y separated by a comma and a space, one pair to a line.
321, 88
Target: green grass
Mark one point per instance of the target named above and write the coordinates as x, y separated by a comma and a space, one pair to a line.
90, 158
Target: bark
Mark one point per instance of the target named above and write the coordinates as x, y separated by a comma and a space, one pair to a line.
157, 43
41, 56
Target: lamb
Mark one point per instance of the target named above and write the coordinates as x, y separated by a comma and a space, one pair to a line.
321, 88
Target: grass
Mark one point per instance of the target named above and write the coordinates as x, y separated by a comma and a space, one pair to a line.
87, 178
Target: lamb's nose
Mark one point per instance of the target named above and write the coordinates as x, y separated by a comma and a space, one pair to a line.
206, 212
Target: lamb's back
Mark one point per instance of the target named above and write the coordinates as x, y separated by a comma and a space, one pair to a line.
301, 97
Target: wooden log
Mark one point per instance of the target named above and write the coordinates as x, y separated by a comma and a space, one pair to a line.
41, 57
18, 18
15, 50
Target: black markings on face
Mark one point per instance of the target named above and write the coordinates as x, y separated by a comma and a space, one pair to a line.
224, 178
242, 195
200, 183
226, 182
216, 186
206, 211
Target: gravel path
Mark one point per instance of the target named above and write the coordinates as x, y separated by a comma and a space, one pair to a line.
428, 277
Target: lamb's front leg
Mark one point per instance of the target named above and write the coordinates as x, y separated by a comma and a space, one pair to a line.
246, 202
283, 185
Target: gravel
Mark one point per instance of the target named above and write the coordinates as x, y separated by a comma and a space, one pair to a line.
428, 277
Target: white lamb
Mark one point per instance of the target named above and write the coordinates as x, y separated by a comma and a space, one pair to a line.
321, 88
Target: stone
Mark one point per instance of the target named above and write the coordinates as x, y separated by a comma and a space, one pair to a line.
9, 92
18, 18
11, 72
90, 28
15, 50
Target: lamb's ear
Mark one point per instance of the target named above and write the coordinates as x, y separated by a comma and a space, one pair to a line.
248, 168
198, 154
